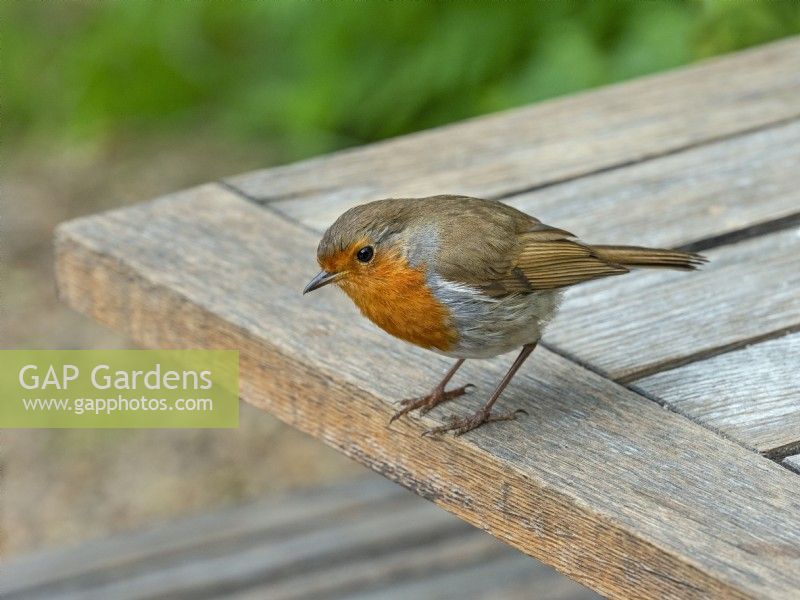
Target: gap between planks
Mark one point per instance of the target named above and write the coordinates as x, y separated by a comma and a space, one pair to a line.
639, 160
740, 235
704, 354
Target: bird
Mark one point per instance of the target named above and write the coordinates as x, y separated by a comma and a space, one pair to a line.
467, 278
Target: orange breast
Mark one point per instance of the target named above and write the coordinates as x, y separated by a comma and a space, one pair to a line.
395, 297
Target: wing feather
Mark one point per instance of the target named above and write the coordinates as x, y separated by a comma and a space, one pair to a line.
547, 259
503, 251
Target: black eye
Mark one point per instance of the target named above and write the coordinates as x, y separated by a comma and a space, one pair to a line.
365, 254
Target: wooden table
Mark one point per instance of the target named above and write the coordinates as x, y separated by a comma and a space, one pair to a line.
664, 409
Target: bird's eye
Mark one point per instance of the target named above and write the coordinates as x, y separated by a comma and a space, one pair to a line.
365, 254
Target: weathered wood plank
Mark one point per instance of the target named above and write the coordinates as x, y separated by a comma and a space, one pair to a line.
707, 191
559, 139
595, 476
218, 569
276, 517
751, 395
357, 547
638, 324
480, 579
422, 575
467, 566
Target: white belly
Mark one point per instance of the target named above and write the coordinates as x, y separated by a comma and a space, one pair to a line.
490, 326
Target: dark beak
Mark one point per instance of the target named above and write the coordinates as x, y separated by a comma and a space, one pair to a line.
320, 279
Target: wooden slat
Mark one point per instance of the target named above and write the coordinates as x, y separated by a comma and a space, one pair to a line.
707, 191
751, 395
216, 570
468, 566
597, 481
559, 139
277, 517
635, 325
358, 547
507, 579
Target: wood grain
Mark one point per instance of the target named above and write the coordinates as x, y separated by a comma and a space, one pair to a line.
601, 483
707, 191
363, 538
751, 395
632, 326
556, 140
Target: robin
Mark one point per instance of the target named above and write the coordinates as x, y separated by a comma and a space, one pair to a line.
467, 278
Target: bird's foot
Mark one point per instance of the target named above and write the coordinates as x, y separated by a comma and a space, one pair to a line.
460, 425
426, 403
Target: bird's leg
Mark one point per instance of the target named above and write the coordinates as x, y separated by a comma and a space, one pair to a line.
459, 425
437, 396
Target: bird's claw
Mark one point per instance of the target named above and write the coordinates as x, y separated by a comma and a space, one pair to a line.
461, 425
427, 403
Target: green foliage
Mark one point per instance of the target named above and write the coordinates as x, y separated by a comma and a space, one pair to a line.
311, 76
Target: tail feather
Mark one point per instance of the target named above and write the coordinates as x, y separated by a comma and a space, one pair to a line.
635, 256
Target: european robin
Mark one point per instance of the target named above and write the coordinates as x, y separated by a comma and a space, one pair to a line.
465, 277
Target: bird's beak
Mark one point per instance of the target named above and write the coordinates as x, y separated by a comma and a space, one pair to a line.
320, 279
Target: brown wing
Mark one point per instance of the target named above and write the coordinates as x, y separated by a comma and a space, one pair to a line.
547, 259
505, 251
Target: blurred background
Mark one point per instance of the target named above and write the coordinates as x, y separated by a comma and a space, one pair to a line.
110, 103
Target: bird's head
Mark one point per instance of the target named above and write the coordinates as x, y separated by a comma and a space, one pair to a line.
365, 245
379, 254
